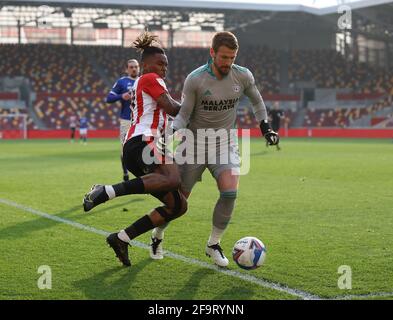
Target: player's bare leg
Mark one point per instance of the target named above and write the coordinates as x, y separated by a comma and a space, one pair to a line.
171, 210
227, 184
164, 178
172, 200
157, 236
175, 205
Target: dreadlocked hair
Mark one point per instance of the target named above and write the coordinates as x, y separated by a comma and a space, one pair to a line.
147, 44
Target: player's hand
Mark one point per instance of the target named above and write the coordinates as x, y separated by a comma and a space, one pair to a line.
126, 96
166, 143
271, 137
161, 145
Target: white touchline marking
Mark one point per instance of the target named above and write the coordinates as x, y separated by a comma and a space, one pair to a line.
364, 296
271, 285
263, 283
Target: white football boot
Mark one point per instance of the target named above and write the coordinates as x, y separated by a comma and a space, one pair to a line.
215, 252
156, 250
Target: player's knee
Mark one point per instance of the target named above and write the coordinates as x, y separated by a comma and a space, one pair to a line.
180, 205
173, 182
174, 210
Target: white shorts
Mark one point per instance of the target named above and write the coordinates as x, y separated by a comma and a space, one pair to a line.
124, 126
83, 131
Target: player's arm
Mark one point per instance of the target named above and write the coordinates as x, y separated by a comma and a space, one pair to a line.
116, 95
170, 105
187, 105
154, 86
259, 108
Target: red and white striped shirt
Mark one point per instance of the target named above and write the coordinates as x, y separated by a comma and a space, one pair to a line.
148, 118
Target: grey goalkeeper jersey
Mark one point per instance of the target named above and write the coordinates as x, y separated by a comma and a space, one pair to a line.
208, 102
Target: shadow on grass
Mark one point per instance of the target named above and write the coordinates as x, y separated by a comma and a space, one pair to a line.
235, 293
259, 153
191, 287
41, 223
115, 283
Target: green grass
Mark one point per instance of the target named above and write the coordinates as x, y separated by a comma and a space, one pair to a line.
317, 204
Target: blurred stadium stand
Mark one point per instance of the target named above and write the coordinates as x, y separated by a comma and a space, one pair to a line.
62, 59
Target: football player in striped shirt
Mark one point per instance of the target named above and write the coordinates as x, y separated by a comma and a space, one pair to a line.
161, 177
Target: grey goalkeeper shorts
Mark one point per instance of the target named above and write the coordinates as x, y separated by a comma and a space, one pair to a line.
225, 158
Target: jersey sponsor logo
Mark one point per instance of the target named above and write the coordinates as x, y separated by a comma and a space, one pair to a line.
207, 93
236, 88
161, 82
219, 105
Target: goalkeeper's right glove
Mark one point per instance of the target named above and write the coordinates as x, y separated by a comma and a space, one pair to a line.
271, 137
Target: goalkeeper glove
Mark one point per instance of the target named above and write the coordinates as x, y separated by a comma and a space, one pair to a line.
271, 137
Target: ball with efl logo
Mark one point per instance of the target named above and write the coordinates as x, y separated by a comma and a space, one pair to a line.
249, 253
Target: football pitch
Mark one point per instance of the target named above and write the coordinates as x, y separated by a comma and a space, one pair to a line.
318, 205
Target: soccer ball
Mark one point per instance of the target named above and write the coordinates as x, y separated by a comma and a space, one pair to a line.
249, 253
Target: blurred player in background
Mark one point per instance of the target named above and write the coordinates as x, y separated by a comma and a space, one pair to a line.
159, 178
210, 98
122, 91
73, 123
275, 115
83, 126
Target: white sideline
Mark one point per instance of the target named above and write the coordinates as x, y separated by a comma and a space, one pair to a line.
365, 296
263, 283
249, 278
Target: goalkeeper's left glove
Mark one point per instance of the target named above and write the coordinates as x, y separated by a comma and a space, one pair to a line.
271, 137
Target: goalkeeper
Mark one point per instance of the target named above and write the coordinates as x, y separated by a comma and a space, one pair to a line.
210, 97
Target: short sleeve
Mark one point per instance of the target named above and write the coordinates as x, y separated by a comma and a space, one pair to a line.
117, 88
154, 85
